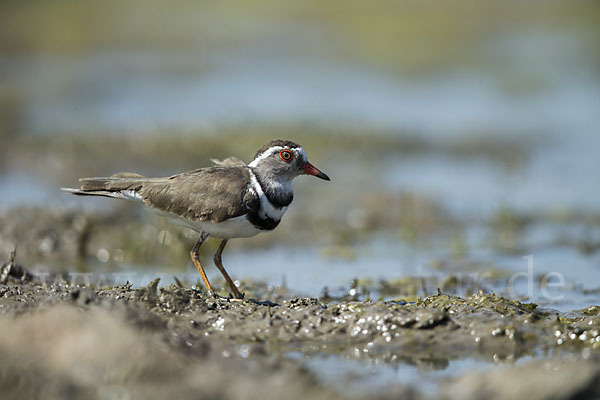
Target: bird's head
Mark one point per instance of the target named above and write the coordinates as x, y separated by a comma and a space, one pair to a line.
284, 159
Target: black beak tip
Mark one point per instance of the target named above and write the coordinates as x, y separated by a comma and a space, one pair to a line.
310, 169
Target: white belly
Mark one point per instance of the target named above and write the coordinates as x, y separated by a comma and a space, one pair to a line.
238, 227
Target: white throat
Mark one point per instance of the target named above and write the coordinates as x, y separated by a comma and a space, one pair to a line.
267, 209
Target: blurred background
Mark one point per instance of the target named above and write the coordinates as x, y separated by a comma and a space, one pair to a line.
459, 137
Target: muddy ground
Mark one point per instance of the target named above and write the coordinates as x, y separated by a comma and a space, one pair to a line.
64, 339
59, 340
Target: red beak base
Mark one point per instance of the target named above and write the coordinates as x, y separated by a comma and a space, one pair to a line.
310, 169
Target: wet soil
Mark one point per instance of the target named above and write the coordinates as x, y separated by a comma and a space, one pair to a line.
62, 340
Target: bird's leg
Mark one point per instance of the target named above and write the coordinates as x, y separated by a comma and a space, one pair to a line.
196, 260
219, 265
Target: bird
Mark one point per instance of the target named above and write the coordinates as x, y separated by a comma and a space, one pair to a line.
229, 200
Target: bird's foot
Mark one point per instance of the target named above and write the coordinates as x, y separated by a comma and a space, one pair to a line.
240, 297
237, 297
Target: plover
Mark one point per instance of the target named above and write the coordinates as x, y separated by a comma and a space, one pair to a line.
225, 201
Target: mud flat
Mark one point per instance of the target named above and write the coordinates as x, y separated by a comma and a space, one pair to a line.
62, 339
59, 340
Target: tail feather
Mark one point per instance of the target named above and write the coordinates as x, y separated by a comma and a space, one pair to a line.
104, 193
124, 185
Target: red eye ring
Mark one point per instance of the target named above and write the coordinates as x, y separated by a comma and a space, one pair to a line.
286, 155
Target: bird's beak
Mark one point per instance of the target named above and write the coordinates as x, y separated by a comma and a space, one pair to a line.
310, 169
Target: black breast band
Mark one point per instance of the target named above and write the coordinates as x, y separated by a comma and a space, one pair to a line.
265, 224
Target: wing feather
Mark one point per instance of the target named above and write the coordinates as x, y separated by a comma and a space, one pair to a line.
212, 194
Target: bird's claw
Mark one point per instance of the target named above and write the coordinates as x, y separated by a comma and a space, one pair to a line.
217, 296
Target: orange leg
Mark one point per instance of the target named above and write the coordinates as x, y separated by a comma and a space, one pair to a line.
196, 260
219, 264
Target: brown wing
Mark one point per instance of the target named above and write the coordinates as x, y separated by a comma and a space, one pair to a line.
209, 194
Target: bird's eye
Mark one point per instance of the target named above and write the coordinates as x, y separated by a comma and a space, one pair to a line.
286, 155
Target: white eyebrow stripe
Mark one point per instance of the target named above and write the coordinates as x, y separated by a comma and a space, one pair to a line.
303, 153
272, 150
266, 154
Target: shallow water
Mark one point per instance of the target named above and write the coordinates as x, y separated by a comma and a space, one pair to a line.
125, 91
572, 278
361, 378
